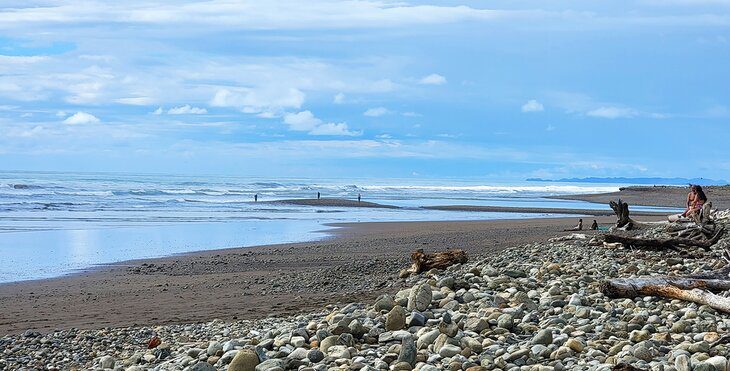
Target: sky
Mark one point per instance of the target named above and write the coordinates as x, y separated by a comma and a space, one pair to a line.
502, 90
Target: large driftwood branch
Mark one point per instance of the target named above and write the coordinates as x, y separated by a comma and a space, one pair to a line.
624, 221
440, 260
622, 214
665, 243
687, 289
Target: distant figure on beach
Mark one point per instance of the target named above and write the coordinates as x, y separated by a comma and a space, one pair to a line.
578, 227
696, 198
318, 195
256, 198
358, 198
594, 226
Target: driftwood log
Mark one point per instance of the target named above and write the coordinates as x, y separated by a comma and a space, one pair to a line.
696, 288
439, 260
665, 243
688, 289
699, 231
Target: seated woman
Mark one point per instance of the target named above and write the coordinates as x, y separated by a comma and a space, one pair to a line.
695, 200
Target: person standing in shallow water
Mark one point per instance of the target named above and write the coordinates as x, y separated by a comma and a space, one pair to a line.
358, 198
256, 198
318, 195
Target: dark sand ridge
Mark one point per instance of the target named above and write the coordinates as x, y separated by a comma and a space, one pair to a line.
340, 202
362, 261
536, 210
657, 196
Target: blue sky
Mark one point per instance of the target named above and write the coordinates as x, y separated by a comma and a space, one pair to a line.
482, 89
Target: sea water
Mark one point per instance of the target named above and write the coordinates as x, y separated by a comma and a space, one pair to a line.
53, 224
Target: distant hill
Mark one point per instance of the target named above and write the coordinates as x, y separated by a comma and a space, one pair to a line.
657, 181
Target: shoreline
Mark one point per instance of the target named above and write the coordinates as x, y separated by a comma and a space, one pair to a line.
537, 210
359, 260
661, 196
318, 234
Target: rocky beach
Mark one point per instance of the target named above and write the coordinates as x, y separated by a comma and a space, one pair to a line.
535, 306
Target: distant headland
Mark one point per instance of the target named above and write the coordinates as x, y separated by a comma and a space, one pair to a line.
624, 180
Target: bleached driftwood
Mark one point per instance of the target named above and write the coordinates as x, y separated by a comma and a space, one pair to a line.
674, 243
696, 288
688, 289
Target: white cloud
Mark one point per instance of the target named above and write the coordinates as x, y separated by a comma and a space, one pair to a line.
285, 14
186, 110
432, 79
339, 98
61, 114
79, 118
26, 133
582, 104
306, 121
301, 121
381, 86
135, 101
532, 105
158, 111
259, 100
334, 129
376, 112
612, 112
411, 114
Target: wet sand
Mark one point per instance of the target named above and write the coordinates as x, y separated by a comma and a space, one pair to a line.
361, 261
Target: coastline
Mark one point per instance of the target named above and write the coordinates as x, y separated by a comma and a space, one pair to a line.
662, 196
360, 261
537, 210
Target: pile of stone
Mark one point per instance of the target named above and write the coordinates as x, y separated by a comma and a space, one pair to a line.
536, 307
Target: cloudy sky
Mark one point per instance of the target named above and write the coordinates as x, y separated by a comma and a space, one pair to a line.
486, 89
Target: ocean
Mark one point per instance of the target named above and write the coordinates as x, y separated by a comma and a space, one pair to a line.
53, 224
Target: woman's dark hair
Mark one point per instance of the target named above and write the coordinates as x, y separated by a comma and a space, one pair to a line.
700, 193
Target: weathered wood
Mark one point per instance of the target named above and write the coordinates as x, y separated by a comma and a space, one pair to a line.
633, 287
622, 214
687, 289
703, 216
440, 260
624, 221
665, 243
